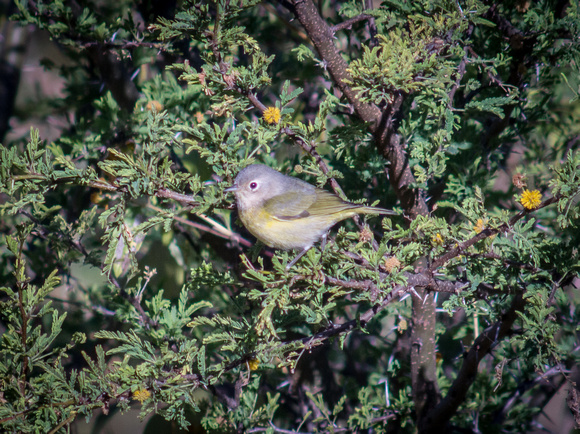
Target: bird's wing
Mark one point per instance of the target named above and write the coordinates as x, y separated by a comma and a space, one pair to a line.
328, 203
291, 205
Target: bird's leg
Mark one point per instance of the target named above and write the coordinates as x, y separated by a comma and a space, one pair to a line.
323, 241
298, 256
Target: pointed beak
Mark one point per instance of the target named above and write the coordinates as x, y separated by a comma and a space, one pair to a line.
233, 188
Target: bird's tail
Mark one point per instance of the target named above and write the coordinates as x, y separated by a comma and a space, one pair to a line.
376, 210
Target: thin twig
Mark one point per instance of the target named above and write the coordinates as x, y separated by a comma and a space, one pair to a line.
456, 251
348, 23
63, 423
217, 230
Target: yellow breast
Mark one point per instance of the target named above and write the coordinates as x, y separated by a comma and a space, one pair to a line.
284, 234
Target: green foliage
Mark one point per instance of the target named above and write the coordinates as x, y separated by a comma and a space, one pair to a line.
128, 282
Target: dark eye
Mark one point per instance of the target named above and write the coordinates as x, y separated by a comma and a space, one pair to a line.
253, 185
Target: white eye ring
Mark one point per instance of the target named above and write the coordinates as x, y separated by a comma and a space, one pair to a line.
253, 185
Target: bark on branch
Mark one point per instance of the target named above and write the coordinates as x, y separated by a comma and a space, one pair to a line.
439, 416
382, 124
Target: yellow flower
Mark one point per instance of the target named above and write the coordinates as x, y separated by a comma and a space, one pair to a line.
479, 226
253, 364
141, 395
531, 199
437, 239
272, 115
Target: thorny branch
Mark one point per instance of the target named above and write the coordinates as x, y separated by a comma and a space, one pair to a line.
460, 248
413, 281
438, 417
22, 287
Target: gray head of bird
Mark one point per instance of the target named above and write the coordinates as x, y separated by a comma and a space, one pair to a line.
257, 183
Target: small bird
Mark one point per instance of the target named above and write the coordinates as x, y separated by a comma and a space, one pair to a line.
287, 213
